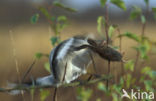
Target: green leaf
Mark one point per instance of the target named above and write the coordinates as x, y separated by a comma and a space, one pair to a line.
154, 11
152, 74
143, 19
45, 12
38, 55
129, 65
102, 87
155, 16
111, 31
98, 99
128, 80
148, 85
121, 82
142, 78
44, 94
64, 7
47, 67
117, 87
143, 48
119, 3
53, 18
146, 1
103, 2
115, 97
115, 47
146, 70
54, 40
131, 36
100, 22
83, 94
62, 22
32, 91
143, 51
136, 12
62, 18
34, 18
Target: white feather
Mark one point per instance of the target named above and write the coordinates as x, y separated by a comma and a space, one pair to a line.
47, 80
65, 48
13, 92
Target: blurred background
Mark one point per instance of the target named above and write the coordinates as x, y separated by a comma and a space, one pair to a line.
31, 38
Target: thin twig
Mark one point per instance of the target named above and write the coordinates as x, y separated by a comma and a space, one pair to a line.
107, 82
93, 62
94, 66
16, 62
144, 24
142, 35
136, 60
120, 46
28, 70
74, 84
120, 39
143, 30
106, 24
142, 39
90, 77
55, 94
14, 55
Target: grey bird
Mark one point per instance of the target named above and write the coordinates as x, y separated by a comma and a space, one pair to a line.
70, 59
66, 62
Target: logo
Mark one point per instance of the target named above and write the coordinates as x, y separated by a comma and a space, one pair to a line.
137, 94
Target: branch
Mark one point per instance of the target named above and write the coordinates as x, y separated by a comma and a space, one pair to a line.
74, 84
27, 71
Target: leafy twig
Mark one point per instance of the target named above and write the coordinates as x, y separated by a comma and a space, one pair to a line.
143, 20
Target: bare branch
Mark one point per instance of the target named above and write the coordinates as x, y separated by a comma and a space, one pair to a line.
27, 72
74, 84
55, 95
93, 62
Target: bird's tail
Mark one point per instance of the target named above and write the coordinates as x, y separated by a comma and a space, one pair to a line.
43, 81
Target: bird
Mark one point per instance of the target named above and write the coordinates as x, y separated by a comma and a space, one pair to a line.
71, 58
67, 62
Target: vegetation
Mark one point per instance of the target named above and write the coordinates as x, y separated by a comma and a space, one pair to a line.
147, 77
